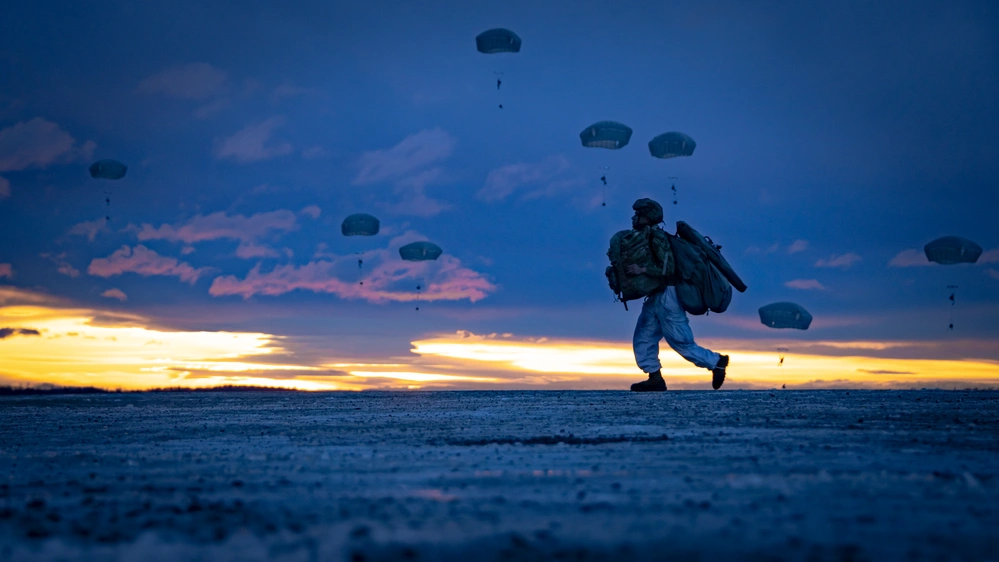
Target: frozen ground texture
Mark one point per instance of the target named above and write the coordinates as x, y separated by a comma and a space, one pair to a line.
809, 475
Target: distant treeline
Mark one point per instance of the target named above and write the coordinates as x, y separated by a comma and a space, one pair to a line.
51, 390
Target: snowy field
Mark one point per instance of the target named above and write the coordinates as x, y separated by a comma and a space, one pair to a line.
803, 475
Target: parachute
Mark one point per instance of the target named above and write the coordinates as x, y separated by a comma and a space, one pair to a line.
671, 145
785, 315
951, 250
605, 134
108, 169
497, 40
360, 224
420, 251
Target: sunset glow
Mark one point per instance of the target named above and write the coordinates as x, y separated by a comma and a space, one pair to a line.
80, 347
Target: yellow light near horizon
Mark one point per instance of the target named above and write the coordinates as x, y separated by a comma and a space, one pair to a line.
74, 350
420, 377
748, 368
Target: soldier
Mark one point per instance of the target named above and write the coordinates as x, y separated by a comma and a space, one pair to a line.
662, 316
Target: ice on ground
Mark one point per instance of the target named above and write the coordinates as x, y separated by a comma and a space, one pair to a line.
824, 475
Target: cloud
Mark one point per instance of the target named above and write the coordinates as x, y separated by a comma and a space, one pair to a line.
909, 258
989, 256
503, 181
805, 284
4, 188
37, 144
841, 260
63, 266
412, 154
249, 250
885, 372
6, 270
219, 225
390, 279
314, 152
195, 81
211, 108
794, 248
312, 211
797, 246
145, 262
115, 294
250, 144
90, 229
417, 204
9, 332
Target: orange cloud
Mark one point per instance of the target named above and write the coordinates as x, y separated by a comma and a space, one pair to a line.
391, 279
145, 262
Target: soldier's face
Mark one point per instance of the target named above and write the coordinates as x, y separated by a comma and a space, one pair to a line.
637, 221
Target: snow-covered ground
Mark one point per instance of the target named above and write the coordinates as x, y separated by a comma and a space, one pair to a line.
816, 475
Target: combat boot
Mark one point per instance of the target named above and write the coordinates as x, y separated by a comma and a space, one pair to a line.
655, 383
718, 373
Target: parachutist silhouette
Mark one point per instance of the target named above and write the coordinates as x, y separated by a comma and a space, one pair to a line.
360, 263
953, 301
783, 386
501, 106
603, 179
498, 83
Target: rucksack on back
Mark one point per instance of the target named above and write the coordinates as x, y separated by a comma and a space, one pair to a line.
634, 247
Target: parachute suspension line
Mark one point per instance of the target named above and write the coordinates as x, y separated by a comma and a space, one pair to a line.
780, 356
953, 301
603, 179
499, 92
673, 187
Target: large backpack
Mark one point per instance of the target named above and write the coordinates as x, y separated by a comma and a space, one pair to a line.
704, 277
700, 287
634, 247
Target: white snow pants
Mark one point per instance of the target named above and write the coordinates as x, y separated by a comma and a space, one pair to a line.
662, 317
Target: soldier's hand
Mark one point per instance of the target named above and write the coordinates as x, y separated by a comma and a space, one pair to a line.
635, 269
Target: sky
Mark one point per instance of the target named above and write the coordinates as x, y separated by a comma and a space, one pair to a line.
834, 139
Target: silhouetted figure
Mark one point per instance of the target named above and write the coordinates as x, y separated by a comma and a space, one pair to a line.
498, 83
662, 315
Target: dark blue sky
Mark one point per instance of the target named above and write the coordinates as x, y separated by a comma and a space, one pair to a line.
832, 139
